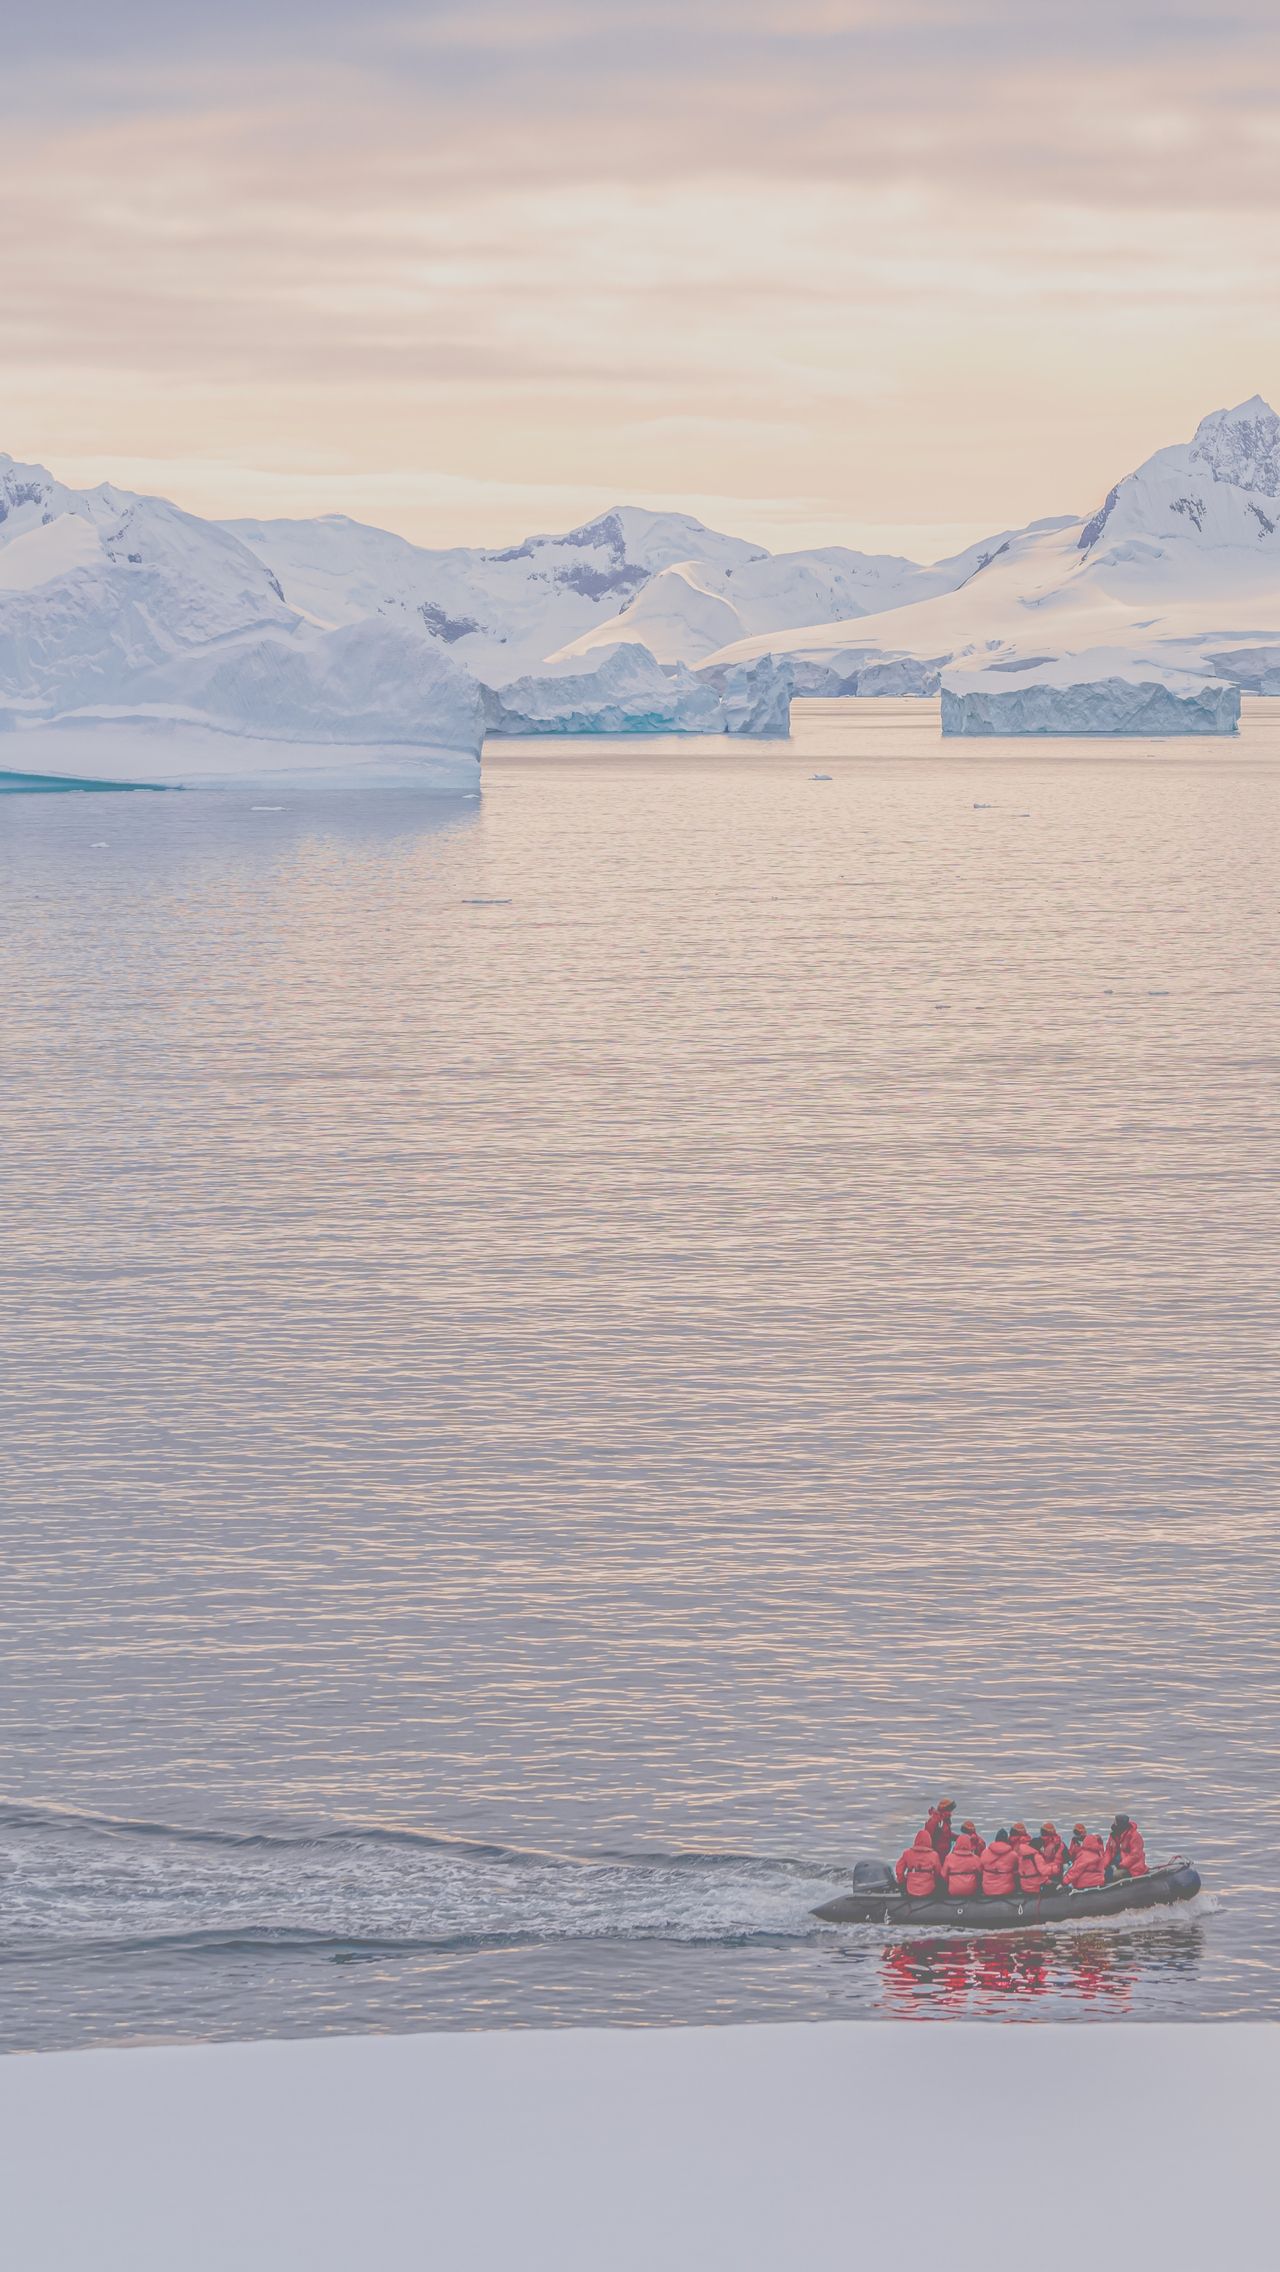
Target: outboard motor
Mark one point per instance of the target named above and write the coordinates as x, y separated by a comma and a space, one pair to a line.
874, 1877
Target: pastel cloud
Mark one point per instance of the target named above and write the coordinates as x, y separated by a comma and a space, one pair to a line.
829, 266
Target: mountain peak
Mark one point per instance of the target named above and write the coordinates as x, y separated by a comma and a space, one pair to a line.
1241, 446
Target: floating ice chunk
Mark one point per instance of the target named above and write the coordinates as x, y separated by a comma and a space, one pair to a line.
624, 692
756, 697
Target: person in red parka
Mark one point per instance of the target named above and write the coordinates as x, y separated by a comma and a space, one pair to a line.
919, 1869
938, 1825
1052, 1849
999, 1866
1079, 1833
1125, 1851
1089, 1870
1033, 1870
970, 1830
962, 1868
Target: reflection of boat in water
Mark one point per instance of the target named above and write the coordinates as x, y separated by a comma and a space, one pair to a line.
877, 1899
956, 1975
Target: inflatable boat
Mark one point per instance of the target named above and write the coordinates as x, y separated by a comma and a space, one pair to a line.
877, 1899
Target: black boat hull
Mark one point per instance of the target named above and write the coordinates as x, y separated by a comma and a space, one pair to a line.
1160, 1889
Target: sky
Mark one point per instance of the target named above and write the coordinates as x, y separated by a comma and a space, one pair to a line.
893, 273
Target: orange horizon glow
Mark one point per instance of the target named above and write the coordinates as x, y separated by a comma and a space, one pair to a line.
834, 273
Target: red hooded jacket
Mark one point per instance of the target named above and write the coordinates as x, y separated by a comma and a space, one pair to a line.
1090, 1869
1078, 1837
1033, 1870
999, 1867
962, 1868
1128, 1851
938, 1825
971, 1831
1052, 1848
919, 1868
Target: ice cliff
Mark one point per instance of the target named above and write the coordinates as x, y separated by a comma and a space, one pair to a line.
755, 698
973, 704
365, 683
628, 692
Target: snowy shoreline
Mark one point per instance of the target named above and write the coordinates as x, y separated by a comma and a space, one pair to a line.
709, 2147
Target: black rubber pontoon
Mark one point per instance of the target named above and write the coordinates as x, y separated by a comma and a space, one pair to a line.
876, 1899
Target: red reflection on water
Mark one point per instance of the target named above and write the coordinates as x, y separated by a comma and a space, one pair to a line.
920, 1977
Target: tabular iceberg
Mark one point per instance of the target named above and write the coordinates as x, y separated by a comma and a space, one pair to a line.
366, 702
1090, 706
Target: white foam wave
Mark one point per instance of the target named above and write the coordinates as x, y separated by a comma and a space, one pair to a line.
63, 1888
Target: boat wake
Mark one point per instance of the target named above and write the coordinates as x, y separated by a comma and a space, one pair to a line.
76, 1886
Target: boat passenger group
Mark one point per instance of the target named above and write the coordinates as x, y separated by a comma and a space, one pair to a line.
1015, 1862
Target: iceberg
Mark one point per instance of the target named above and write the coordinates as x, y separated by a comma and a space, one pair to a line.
899, 675
366, 683
1112, 705
169, 753
627, 692
1255, 670
368, 699
755, 698
141, 645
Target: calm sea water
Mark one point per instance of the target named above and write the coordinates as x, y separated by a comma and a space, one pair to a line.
569, 1361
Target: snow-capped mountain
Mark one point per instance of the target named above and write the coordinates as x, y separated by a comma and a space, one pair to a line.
99, 590
1178, 570
690, 610
500, 613
117, 608
1220, 489
659, 580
